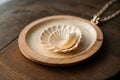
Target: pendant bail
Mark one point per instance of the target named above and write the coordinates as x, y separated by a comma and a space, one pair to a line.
95, 20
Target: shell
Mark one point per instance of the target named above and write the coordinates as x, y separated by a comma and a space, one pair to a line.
61, 38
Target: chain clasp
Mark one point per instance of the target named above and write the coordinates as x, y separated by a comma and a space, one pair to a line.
95, 20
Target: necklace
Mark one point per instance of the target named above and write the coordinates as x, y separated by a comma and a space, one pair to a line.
62, 39
96, 18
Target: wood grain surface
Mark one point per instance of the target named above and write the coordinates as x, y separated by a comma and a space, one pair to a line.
16, 14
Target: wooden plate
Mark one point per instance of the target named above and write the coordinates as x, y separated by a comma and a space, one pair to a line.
30, 46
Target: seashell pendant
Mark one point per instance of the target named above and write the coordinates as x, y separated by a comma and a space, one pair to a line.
60, 40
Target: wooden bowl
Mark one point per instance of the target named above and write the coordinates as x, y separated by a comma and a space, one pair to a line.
30, 46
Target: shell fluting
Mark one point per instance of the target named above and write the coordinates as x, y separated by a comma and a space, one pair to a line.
61, 38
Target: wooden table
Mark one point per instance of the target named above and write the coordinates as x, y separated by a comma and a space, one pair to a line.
16, 14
